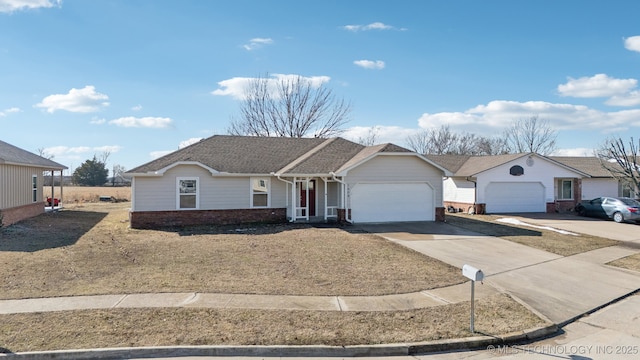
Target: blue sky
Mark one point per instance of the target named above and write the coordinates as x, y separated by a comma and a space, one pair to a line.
140, 78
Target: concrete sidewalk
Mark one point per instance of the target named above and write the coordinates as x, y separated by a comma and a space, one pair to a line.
417, 300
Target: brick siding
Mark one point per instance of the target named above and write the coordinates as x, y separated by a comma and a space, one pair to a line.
159, 219
18, 213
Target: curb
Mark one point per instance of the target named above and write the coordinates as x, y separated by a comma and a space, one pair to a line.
400, 349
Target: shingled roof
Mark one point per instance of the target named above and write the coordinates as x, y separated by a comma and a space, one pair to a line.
466, 165
13, 155
265, 155
588, 165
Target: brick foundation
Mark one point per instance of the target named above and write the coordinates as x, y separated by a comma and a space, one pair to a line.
160, 219
561, 206
18, 213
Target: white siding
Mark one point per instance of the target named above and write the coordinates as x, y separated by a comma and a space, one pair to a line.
541, 171
459, 190
216, 192
278, 193
398, 168
16, 187
593, 188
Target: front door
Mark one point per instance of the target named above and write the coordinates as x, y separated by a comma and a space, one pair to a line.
312, 196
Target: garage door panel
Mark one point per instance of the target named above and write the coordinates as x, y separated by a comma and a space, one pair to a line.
514, 197
387, 202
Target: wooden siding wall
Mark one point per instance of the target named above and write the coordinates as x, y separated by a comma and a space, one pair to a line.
389, 168
16, 187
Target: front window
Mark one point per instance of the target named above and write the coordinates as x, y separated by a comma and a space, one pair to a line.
260, 192
34, 187
187, 193
565, 189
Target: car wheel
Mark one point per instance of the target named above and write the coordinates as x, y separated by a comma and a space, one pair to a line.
617, 217
582, 211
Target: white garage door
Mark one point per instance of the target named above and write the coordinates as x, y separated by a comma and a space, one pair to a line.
387, 202
514, 197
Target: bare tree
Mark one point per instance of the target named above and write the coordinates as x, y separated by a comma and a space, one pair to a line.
622, 161
442, 141
104, 157
433, 141
370, 139
42, 152
531, 135
294, 107
118, 171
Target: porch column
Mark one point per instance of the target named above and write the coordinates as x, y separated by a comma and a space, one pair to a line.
294, 205
326, 196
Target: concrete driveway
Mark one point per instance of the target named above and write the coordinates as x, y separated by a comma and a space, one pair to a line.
555, 287
457, 246
584, 225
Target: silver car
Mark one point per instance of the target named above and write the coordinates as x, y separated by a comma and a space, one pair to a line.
617, 208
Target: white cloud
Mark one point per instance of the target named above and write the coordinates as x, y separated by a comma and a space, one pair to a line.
9, 6
632, 43
574, 152
630, 99
143, 122
58, 151
257, 42
370, 64
372, 26
108, 148
499, 114
83, 100
8, 111
97, 121
384, 134
237, 86
188, 142
160, 153
137, 108
599, 85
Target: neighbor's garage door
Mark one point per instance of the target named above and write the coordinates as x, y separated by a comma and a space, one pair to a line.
514, 197
387, 202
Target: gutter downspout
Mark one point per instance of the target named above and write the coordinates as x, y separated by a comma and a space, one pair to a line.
293, 208
475, 194
344, 196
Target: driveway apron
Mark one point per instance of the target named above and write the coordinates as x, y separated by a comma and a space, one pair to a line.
558, 288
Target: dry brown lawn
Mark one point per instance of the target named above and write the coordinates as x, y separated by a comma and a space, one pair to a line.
631, 262
178, 326
88, 248
85, 194
547, 240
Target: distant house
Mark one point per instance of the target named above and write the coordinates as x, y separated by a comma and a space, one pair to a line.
236, 179
21, 183
525, 182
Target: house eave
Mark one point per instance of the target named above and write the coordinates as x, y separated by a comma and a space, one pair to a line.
44, 167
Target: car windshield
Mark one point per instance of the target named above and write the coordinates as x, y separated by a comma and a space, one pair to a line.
630, 202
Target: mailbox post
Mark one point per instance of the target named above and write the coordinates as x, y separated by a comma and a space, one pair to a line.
474, 275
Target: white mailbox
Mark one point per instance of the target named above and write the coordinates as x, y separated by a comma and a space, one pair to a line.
472, 273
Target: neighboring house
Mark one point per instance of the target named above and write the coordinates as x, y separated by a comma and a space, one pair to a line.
239, 179
21, 183
526, 182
